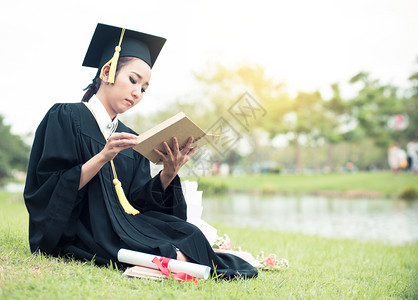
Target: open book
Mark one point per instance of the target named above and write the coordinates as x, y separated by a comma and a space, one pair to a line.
179, 126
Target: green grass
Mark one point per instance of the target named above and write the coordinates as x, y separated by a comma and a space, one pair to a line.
320, 268
377, 184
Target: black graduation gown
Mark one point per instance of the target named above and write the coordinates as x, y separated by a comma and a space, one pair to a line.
91, 223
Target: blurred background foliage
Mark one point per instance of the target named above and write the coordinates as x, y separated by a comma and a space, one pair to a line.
14, 152
303, 132
296, 133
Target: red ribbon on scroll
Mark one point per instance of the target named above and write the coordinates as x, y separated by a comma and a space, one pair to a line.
162, 264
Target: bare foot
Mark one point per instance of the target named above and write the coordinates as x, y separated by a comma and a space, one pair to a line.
181, 256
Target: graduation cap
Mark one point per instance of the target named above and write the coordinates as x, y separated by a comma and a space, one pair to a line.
109, 43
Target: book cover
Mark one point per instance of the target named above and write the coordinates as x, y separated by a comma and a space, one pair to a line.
179, 126
143, 272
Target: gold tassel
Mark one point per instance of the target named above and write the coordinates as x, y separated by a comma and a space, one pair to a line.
114, 60
129, 209
122, 198
113, 65
121, 195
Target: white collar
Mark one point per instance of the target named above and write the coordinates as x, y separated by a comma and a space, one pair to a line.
106, 125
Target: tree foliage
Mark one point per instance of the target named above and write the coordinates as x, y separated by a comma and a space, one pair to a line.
14, 153
374, 106
412, 107
319, 132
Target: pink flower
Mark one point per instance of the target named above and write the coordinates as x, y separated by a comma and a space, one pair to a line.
270, 261
226, 246
223, 243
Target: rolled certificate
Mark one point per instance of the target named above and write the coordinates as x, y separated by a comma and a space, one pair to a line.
175, 266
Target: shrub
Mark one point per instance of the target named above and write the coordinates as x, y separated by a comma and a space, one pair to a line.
212, 187
409, 193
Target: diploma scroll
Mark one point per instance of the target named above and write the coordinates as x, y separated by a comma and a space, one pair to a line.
175, 266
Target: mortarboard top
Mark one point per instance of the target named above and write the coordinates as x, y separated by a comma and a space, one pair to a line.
107, 38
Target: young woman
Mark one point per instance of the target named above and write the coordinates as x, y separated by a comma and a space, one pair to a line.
81, 148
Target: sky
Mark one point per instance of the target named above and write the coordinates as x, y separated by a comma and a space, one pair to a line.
307, 44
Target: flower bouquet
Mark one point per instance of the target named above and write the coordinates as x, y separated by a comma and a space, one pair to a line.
223, 245
271, 262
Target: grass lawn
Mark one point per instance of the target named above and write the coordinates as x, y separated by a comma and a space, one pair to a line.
377, 184
320, 268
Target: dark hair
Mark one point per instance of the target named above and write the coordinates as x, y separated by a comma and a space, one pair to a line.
93, 87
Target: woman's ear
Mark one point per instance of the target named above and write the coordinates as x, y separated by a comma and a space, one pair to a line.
105, 73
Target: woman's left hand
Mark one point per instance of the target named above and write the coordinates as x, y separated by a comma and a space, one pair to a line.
173, 159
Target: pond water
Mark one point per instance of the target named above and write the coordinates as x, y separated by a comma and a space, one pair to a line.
13, 187
386, 220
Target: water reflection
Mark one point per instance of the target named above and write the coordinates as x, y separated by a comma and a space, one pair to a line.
13, 187
367, 219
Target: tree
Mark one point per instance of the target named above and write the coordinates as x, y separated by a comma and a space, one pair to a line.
308, 120
14, 153
374, 106
339, 124
234, 90
411, 131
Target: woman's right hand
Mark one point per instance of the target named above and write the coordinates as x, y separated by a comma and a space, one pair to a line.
117, 142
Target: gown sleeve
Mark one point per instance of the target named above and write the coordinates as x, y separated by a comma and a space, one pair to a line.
51, 189
148, 193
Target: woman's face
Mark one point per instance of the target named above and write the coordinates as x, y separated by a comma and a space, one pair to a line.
130, 84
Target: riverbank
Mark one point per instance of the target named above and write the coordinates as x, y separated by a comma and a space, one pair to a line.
348, 185
319, 268
382, 184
